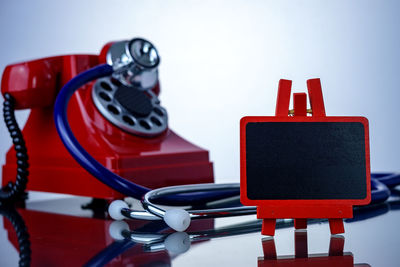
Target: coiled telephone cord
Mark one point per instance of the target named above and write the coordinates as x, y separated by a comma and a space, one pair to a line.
15, 191
19, 226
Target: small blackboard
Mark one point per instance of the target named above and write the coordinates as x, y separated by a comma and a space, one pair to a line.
305, 160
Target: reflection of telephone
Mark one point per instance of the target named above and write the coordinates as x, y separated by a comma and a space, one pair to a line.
77, 240
119, 121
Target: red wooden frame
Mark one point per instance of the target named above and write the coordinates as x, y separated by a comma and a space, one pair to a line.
243, 179
334, 209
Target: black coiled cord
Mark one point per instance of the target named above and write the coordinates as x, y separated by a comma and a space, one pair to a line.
22, 233
15, 191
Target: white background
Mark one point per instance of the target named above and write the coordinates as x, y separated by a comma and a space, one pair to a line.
222, 60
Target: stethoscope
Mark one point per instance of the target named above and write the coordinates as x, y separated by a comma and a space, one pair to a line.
135, 65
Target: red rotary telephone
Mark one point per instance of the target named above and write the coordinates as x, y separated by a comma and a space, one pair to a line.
125, 130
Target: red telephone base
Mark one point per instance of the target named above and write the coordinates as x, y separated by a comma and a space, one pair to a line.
78, 239
174, 162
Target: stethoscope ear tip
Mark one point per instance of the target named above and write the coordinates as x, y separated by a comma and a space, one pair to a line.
114, 210
177, 243
177, 219
116, 228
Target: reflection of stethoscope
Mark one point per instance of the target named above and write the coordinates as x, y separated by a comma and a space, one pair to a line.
152, 238
135, 63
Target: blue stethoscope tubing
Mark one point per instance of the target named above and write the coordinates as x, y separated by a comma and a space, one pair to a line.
96, 169
380, 182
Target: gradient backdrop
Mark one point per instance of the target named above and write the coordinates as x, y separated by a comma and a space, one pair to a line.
222, 60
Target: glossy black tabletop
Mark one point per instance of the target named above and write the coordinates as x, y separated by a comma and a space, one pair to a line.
60, 232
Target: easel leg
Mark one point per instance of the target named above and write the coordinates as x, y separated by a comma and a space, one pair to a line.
268, 227
300, 244
336, 246
269, 249
300, 223
336, 226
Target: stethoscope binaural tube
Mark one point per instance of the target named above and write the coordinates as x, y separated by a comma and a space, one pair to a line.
177, 218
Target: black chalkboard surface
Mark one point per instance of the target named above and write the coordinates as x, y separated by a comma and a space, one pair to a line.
305, 160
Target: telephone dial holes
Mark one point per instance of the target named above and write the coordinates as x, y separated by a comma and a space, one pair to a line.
128, 120
145, 124
104, 96
113, 109
158, 111
115, 82
152, 122
106, 86
155, 121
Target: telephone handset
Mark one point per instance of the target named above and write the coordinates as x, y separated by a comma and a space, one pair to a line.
118, 119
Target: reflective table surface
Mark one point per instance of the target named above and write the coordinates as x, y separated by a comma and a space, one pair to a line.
59, 232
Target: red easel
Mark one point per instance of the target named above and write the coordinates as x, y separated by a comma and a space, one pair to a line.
302, 209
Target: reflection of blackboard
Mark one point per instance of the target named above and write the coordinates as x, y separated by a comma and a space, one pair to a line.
305, 160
